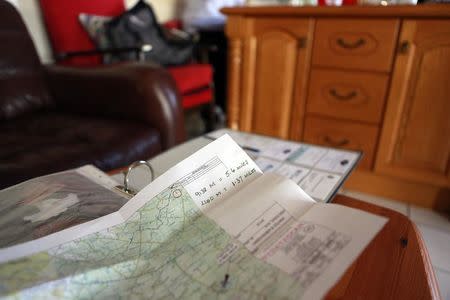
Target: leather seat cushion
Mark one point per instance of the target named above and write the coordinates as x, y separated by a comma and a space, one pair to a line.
51, 142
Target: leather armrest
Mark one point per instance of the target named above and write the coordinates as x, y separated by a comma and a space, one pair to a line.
137, 91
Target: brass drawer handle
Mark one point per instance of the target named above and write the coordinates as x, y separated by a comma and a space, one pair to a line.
340, 143
347, 97
360, 42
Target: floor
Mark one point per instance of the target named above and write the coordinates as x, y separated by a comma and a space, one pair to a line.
435, 229
195, 123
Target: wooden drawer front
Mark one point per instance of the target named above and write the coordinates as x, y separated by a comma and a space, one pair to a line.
351, 95
343, 134
355, 44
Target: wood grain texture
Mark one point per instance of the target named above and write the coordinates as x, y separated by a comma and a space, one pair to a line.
278, 42
274, 83
349, 95
301, 83
344, 135
248, 84
355, 44
234, 82
415, 142
388, 269
412, 11
298, 27
235, 33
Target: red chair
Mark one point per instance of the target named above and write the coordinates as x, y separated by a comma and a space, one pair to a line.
71, 43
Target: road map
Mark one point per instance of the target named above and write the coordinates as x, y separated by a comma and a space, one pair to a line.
197, 232
168, 249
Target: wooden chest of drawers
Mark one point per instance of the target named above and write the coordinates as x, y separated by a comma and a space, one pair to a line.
366, 78
351, 60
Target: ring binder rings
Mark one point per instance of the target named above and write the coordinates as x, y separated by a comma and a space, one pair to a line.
125, 187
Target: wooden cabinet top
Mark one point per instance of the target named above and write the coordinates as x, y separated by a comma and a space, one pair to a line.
409, 11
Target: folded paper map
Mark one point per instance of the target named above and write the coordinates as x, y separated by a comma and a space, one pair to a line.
213, 226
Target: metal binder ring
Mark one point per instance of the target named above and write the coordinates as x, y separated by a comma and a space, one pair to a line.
131, 167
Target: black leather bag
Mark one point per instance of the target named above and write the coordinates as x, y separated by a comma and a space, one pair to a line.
139, 26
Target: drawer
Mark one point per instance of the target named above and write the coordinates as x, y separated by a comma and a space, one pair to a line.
344, 135
355, 44
350, 95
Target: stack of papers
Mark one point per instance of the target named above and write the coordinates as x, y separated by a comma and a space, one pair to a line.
319, 171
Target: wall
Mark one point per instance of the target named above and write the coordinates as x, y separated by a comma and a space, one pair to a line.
165, 9
30, 10
13, 2
31, 14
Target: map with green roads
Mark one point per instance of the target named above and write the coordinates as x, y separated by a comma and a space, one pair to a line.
167, 249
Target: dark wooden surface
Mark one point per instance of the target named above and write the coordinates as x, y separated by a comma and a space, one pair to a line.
395, 265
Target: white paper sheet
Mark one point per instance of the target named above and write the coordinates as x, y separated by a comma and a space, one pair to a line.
267, 164
283, 226
337, 161
309, 155
319, 184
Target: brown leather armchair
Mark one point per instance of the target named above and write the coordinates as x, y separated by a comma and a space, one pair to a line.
55, 118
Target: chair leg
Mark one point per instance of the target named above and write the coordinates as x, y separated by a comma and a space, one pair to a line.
211, 118
210, 112
220, 118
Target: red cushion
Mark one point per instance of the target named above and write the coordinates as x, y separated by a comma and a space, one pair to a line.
195, 99
192, 77
66, 32
174, 24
